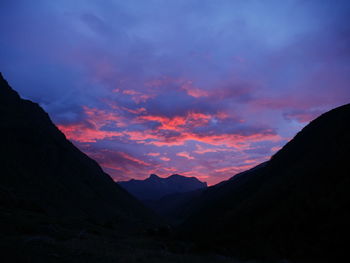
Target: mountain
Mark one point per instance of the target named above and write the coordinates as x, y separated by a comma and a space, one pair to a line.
175, 208
294, 206
42, 171
155, 187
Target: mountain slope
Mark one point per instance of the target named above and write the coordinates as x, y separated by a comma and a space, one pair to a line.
294, 206
41, 170
175, 208
155, 187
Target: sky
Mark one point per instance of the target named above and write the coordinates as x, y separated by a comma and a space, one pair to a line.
195, 87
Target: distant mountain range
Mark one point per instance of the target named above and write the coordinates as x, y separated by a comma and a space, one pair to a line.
155, 187
168, 197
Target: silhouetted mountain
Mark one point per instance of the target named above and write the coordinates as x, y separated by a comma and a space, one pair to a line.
40, 170
294, 206
179, 207
155, 187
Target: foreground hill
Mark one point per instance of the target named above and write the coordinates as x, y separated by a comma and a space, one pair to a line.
42, 171
294, 206
155, 187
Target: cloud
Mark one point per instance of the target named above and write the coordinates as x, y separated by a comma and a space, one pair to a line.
124, 83
200, 149
153, 154
302, 116
82, 133
185, 155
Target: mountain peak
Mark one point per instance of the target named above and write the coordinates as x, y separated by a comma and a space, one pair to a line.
176, 175
2, 77
155, 187
7, 93
153, 176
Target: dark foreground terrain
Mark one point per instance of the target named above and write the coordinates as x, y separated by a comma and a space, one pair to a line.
31, 236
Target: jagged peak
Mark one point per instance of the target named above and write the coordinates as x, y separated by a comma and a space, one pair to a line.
153, 176
176, 175
5, 90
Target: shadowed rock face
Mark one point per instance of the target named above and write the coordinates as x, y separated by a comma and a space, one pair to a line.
43, 171
155, 187
294, 206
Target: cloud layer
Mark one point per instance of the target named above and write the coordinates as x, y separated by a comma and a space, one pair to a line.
199, 88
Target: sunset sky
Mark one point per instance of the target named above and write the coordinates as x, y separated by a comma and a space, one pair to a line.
200, 88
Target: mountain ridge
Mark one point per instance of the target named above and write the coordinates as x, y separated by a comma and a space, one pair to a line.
155, 187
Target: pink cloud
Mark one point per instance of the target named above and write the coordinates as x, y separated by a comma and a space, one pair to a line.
302, 116
136, 96
232, 170
91, 130
153, 154
178, 123
228, 140
276, 149
100, 118
133, 159
135, 111
202, 150
194, 91
82, 133
185, 155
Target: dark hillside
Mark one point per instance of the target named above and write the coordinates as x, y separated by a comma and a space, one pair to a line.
294, 206
42, 170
